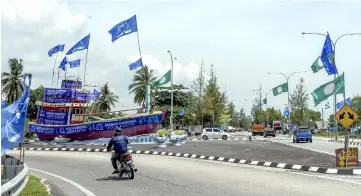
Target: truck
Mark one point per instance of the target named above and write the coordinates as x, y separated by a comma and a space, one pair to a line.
277, 125
257, 129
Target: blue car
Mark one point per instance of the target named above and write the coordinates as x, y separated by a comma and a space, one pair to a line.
302, 134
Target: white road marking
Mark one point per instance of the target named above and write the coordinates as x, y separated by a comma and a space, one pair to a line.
81, 188
329, 178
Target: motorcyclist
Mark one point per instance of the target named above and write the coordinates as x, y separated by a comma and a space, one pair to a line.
120, 143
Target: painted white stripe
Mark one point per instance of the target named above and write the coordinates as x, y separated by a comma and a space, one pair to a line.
55, 149
296, 166
210, 158
97, 150
38, 149
313, 169
105, 150
178, 154
193, 156
138, 151
47, 148
155, 152
146, 152
331, 171
80, 149
281, 165
202, 157
170, 154
185, 155
71, 149
231, 160
242, 161
81, 188
163, 153
357, 171
267, 164
63, 149
31, 148
220, 158
254, 162
88, 150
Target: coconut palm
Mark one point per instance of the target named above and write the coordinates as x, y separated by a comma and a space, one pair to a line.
11, 82
105, 100
141, 78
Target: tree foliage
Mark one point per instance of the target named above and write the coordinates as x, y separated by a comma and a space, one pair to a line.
298, 101
106, 100
12, 82
35, 95
141, 79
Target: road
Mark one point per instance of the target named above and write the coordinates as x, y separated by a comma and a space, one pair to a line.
159, 175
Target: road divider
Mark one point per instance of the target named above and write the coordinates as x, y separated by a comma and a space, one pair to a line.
341, 141
323, 170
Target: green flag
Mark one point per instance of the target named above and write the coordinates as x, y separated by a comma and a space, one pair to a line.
317, 65
164, 80
280, 89
336, 86
265, 101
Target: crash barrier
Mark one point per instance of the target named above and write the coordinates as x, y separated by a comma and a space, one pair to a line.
14, 176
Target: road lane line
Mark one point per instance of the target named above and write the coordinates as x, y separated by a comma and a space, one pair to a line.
81, 188
329, 178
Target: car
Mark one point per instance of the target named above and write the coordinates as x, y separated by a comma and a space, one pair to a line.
269, 132
214, 133
302, 134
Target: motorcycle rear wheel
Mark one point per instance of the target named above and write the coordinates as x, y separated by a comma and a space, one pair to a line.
131, 173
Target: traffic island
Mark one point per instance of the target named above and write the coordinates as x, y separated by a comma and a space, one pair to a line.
35, 187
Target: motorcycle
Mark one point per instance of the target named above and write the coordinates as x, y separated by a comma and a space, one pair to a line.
126, 166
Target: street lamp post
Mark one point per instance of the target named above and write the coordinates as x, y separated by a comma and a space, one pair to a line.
266, 93
171, 92
288, 88
334, 61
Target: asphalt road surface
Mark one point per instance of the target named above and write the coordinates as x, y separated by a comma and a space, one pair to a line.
257, 150
158, 176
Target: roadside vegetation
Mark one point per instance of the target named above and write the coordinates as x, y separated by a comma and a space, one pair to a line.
34, 187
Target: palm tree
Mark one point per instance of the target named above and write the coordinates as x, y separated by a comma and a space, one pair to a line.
12, 83
141, 78
106, 100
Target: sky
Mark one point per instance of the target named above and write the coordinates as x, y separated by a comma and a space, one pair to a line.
242, 39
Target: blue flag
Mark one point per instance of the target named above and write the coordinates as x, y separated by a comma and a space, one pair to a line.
56, 49
136, 64
94, 96
125, 27
3, 104
327, 56
13, 120
341, 103
81, 45
75, 63
181, 113
63, 63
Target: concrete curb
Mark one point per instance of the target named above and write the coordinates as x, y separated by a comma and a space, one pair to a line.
341, 141
323, 170
240, 138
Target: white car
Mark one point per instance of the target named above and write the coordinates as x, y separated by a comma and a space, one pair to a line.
214, 133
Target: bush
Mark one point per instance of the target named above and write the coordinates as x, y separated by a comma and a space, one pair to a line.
162, 132
179, 132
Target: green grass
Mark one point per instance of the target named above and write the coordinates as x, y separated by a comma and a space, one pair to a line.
34, 188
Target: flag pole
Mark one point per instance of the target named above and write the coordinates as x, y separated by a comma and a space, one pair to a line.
147, 88
171, 91
52, 79
57, 83
86, 59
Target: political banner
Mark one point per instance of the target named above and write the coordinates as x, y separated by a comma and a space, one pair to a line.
52, 117
82, 96
96, 126
54, 95
71, 84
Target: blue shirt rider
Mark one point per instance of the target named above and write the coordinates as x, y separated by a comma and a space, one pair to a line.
120, 143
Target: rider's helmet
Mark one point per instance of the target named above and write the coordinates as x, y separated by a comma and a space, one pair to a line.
118, 131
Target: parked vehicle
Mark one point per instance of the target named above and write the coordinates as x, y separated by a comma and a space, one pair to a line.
277, 125
214, 133
257, 129
269, 132
302, 134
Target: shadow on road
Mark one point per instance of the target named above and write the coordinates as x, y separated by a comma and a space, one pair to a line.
113, 178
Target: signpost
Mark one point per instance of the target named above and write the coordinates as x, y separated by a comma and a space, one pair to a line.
346, 116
